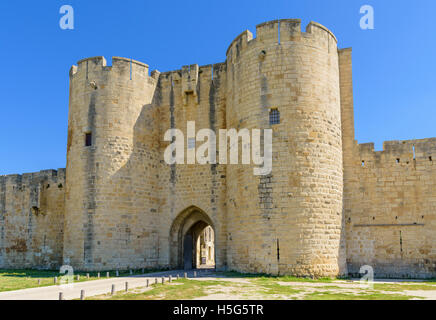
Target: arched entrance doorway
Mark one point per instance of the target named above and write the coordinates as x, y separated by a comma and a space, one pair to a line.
192, 240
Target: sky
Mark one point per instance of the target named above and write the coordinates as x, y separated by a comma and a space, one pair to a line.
394, 66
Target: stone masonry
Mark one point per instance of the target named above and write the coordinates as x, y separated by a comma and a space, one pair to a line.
328, 207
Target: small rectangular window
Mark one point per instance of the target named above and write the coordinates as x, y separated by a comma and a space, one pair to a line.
88, 139
274, 116
191, 143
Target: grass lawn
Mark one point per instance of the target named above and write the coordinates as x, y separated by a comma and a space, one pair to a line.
325, 295
236, 286
182, 289
230, 285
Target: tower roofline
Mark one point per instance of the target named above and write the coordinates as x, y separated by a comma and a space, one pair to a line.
296, 23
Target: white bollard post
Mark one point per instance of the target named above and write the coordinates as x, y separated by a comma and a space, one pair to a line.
117, 273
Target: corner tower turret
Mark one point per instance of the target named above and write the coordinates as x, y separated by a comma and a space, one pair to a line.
290, 221
111, 148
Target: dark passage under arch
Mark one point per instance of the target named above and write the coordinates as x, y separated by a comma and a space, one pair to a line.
192, 240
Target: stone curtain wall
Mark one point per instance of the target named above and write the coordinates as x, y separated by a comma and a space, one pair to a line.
31, 219
390, 209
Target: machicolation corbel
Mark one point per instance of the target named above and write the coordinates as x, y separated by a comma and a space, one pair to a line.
189, 82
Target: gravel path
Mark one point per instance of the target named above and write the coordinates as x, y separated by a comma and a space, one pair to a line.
92, 288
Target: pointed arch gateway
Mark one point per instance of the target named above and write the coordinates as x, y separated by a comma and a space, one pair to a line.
192, 240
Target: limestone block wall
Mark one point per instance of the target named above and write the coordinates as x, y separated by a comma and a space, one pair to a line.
31, 219
290, 221
390, 209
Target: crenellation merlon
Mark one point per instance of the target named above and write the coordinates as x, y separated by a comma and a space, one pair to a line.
268, 31
290, 30
344, 50
73, 70
366, 147
317, 28
205, 73
241, 40
155, 74
177, 75
165, 78
91, 64
133, 67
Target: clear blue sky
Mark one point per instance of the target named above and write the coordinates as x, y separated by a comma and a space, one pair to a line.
394, 65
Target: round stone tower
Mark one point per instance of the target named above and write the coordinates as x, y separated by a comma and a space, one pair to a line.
289, 221
112, 148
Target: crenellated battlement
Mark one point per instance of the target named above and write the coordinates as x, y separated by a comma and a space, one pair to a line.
400, 151
34, 185
122, 67
188, 80
40, 176
281, 31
